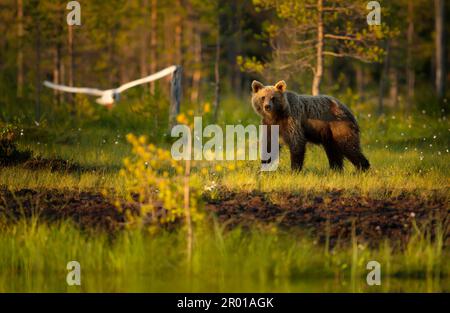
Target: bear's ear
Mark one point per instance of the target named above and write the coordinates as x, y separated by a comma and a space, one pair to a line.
281, 86
256, 86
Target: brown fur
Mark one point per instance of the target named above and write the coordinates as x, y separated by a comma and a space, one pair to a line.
317, 119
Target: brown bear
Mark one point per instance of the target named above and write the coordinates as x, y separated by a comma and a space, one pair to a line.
317, 119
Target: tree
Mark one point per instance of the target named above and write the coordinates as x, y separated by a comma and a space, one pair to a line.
217, 59
410, 72
440, 49
306, 32
153, 40
20, 48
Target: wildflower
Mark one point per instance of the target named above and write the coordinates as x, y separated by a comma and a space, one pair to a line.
182, 119
206, 107
142, 139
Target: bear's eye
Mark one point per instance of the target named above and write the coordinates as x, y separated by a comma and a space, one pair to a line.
263, 98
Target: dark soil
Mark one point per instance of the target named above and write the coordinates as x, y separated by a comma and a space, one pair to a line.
329, 215
332, 214
88, 210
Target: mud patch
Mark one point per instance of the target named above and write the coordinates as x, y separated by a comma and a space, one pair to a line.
329, 216
89, 210
334, 216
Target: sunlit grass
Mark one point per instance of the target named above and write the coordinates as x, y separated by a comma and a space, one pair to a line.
394, 169
389, 175
407, 153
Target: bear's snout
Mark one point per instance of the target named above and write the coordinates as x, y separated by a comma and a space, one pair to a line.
268, 107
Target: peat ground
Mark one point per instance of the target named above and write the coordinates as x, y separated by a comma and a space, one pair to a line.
330, 215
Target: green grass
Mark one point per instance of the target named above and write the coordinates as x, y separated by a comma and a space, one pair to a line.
34, 257
399, 151
406, 153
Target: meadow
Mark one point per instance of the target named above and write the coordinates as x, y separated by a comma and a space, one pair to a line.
409, 154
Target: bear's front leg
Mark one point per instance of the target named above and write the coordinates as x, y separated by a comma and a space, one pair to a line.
266, 145
297, 155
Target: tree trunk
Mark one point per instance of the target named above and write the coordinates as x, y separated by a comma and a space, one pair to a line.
319, 52
232, 44
393, 80
178, 37
175, 96
71, 70
360, 82
153, 42
56, 71
20, 48
217, 67
197, 74
37, 108
410, 73
238, 42
383, 76
440, 47
143, 62
113, 70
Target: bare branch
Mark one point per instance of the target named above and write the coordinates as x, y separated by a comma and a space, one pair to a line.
344, 55
341, 37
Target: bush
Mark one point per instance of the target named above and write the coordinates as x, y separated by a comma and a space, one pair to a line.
9, 155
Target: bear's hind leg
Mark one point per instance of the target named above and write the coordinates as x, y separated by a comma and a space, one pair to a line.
353, 154
359, 160
335, 156
347, 139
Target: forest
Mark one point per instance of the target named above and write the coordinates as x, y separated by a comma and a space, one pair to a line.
223, 45
97, 183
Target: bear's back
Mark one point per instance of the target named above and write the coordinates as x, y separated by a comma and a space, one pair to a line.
322, 107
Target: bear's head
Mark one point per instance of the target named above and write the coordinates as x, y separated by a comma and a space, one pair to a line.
269, 101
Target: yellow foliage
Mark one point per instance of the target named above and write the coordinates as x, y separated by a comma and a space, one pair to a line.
156, 183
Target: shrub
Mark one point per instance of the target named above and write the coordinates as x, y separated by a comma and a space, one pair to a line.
9, 154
